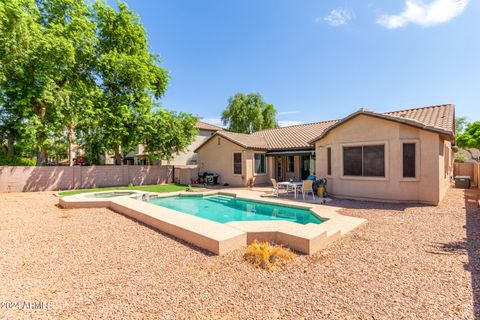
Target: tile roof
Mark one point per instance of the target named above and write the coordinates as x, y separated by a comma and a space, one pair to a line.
439, 118
207, 126
293, 137
245, 140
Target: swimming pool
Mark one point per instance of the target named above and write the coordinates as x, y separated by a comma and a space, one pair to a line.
223, 209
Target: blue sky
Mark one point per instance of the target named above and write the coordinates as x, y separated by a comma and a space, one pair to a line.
317, 60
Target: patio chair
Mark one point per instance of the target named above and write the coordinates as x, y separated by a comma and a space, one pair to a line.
275, 187
307, 187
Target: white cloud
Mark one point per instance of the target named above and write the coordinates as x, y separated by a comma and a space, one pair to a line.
337, 17
214, 121
417, 12
287, 123
284, 113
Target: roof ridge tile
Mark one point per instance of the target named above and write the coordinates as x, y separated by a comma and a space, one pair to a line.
437, 118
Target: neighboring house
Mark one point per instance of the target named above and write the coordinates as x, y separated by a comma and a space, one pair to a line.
188, 157
78, 155
140, 157
395, 156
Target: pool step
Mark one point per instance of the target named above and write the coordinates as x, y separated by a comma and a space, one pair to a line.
221, 197
223, 200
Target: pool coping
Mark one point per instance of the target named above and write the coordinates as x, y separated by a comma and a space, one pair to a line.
221, 238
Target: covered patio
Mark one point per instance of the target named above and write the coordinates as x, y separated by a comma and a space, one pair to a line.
296, 165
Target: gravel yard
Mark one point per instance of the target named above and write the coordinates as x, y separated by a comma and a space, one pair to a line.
406, 262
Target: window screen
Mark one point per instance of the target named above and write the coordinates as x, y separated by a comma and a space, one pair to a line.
237, 163
329, 161
374, 161
352, 161
409, 160
364, 161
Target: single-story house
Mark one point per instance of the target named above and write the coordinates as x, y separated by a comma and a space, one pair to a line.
399, 156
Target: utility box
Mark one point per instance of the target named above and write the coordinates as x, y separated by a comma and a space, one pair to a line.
462, 182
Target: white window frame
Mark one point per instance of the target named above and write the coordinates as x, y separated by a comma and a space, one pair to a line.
367, 143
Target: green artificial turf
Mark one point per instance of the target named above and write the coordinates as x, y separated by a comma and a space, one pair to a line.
153, 188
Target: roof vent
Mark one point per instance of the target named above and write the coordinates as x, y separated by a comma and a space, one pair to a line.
364, 110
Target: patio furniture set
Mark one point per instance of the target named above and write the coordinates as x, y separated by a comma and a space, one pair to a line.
304, 187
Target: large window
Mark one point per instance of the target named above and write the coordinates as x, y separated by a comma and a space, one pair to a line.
409, 160
364, 161
260, 163
290, 164
329, 161
237, 163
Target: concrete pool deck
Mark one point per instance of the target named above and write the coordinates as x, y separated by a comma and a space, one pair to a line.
221, 238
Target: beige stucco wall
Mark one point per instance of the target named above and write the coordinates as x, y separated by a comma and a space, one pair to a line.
259, 178
428, 187
445, 167
218, 158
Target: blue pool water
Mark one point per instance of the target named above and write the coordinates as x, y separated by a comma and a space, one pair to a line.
225, 209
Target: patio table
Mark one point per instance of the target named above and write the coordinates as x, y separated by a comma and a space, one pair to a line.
293, 184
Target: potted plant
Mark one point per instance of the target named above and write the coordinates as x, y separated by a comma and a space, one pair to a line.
321, 186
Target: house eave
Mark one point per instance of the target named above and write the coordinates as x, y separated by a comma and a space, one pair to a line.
291, 152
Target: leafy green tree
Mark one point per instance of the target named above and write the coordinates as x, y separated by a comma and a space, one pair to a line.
471, 137
269, 117
131, 77
12, 160
89, 133
47, 48
460, 124
80, 89
19, 29
73, 71
169, 133
249, 113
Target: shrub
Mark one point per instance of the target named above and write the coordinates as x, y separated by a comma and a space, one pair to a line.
460, 157
9, 160
267, 256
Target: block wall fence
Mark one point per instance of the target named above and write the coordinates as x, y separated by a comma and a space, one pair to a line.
27, 179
